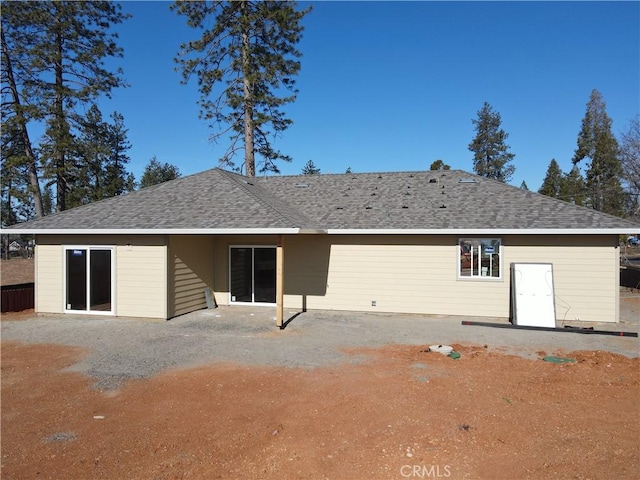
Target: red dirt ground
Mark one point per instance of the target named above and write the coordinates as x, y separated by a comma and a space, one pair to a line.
16, 271
404, 413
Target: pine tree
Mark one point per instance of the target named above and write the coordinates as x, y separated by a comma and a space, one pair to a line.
552, 183
16, 115
63, 46
524, 186
597, 144
572, 187
16, 202
247, 55
117, 180
491, 156
310, 169
439, 165
156, 173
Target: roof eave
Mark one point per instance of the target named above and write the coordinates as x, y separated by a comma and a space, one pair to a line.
483, 231
150, 231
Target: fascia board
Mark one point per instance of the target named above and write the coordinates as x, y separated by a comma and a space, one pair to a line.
484, 231
150, 231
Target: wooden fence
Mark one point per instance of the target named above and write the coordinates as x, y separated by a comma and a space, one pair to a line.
16, 298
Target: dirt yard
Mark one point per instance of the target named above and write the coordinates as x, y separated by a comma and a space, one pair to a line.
395, 412
16, 271
403, 413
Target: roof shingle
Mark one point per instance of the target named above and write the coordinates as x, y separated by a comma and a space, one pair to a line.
429, 200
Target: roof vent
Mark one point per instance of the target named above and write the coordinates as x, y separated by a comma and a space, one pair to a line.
339, 208
433, 180
443, 206
367, 207
467, 180
405, 206
302, 185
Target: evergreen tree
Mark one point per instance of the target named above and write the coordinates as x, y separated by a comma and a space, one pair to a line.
117, 180
15, 200
248, 49
630, 157
439, 165
524, 186
552, 183
597, 144
491, 156
310, 169
15, 114
62, 46
348, 170
156, 173
572, 187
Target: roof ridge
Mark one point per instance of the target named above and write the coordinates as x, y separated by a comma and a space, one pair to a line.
244, 183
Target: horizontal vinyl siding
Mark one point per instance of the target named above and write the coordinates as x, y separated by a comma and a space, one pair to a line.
419, 274
49, 279
141, 281
405, 278
585, 279
190, 273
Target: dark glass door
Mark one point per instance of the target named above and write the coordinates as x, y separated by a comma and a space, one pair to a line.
264, 275
241, 278
100, 280
88, 282
252, 274
76, 279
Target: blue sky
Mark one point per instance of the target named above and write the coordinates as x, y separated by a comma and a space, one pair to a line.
393, 86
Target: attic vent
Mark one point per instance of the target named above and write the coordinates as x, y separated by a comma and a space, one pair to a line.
467, 180
443, 206
433, 180
302, 185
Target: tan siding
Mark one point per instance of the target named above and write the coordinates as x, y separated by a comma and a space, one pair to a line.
49, 279
141, 281
584, 279
140, 266
419, 275
191, 262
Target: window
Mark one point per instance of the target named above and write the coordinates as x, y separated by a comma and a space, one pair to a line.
479, 258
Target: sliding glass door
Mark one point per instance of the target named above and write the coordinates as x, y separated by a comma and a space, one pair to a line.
89, 279
252, 275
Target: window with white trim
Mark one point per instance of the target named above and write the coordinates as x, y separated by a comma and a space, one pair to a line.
479, 257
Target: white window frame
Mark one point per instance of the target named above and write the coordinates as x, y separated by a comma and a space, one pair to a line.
252, 303
88, 248
477, 275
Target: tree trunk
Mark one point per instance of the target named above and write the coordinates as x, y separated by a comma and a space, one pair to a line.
249, 154
34, 183
58, 130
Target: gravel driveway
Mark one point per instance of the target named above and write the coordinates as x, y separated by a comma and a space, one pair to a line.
122, 349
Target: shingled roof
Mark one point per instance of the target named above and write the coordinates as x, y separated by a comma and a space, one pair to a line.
217, 201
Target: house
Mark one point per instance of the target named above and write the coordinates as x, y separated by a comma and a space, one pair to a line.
430, 242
